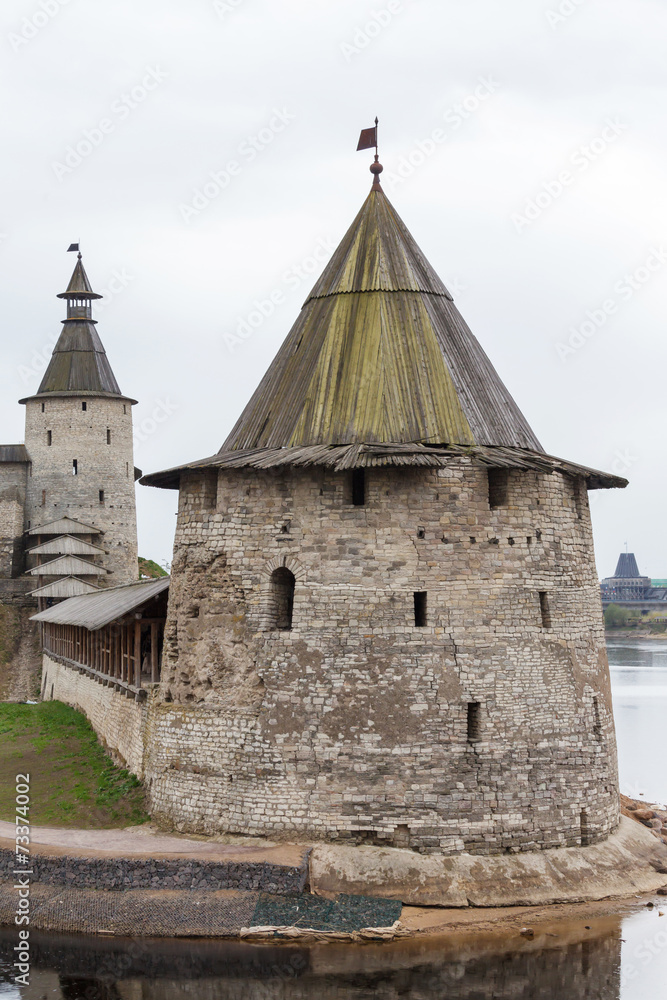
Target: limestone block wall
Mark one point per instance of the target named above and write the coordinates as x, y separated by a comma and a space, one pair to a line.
489, 728
102, 493
119, 722
12, 502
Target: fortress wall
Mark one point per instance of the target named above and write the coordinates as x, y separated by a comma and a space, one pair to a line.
355, 724
12, 501
119, 722
53, 490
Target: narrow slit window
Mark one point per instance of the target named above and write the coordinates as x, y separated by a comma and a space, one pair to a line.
84, 407
544, 609
43, 498
597, 725
473, 721
101, 496
420, 600
282, 598
49, 438
358, 487
498, 480
124, 407
585, 828
108, 436
75, 467
127, 469
43, 407
580, 496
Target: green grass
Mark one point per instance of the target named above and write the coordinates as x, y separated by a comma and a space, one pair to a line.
72, 781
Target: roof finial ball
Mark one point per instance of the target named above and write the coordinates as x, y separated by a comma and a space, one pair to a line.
376, 169
368, 139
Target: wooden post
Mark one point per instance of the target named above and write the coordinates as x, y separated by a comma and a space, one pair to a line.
154, 664
137, 653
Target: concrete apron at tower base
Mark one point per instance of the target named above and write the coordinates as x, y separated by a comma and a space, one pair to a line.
169, 886
619, 866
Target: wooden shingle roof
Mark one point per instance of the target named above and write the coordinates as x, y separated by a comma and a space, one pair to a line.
380, 354
380, 368
79, 364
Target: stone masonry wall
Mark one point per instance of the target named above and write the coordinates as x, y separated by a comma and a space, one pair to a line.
489, 729
119, 722
53, 490
12, 502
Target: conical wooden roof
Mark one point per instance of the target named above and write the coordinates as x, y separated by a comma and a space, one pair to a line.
79, 363
380, 354
79, 285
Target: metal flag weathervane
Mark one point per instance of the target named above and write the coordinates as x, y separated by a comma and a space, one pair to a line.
369, 138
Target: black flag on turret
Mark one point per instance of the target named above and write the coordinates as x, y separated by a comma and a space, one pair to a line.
72, 246
369, 137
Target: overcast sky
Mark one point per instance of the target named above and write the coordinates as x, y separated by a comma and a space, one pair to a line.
204, 155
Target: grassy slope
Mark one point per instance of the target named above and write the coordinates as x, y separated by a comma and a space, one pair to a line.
147, 567
72, 781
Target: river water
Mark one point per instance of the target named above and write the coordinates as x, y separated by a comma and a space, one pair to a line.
621, 957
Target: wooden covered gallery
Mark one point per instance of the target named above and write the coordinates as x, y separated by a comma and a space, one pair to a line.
114, 635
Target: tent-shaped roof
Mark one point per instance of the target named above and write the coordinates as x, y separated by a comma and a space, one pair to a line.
380, 354
79, 285
380, 368
79, 364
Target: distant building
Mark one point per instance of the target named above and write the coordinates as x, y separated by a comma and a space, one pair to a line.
67, 504
629, 589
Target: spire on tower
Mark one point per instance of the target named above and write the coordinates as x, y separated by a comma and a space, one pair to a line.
79, 363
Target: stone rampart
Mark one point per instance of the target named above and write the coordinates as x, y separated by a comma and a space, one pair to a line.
119, 721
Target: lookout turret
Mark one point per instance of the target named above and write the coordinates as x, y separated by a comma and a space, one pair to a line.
384, 621
79, 442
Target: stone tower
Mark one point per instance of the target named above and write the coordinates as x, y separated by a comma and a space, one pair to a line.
384, 622
78, 436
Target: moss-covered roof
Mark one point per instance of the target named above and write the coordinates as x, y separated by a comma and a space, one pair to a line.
380, 354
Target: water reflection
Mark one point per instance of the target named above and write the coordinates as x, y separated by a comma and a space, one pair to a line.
639, 691
90, 969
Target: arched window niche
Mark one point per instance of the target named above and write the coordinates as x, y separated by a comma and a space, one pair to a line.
282, 599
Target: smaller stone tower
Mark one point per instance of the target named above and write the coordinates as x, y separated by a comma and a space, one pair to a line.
78, 436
